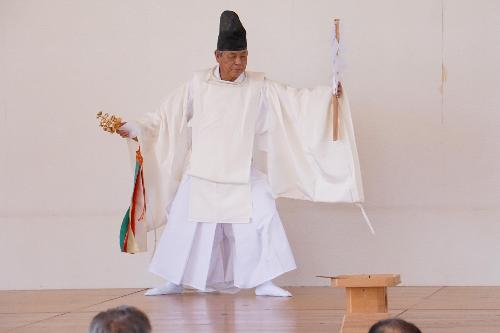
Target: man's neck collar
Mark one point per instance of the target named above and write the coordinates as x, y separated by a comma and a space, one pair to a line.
240, 78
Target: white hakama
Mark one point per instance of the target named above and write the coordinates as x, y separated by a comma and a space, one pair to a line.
221, 255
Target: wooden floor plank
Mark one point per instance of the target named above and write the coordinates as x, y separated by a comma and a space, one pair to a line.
463, 298
407, 297
9, 321
77, 322
212, 321
305, 298
312, 309
55, 300
455, 321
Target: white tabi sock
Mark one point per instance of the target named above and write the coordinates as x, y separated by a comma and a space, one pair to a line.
166, 289
207, 290
270, 289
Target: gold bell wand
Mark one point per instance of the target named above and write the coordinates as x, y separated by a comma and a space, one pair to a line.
109, 123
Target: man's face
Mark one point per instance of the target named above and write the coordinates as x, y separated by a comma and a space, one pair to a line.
231, 63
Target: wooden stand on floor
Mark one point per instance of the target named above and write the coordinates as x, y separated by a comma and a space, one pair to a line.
366, 299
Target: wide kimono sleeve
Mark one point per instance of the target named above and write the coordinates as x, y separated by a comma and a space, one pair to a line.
164, 144
302, 160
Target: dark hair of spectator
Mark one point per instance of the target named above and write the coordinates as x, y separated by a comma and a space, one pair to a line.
122, 319
395, 325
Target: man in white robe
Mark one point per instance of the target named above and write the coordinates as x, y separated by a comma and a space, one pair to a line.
218, 153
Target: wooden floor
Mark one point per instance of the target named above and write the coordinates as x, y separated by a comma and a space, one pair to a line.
312, 309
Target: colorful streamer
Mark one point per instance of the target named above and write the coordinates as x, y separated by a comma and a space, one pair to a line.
133, 231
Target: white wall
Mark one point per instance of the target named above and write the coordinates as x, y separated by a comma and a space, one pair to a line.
430, 168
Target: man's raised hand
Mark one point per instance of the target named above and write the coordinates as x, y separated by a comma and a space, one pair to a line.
123, 131
129, 130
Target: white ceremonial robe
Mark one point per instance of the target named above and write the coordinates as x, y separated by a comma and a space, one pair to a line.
297, 159
196, 252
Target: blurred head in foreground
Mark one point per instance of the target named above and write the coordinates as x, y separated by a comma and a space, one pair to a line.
122, 319
394, 325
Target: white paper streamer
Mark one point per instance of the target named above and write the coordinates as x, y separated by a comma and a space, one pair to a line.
339, 66
367, 220
338, 62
